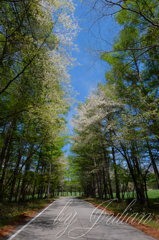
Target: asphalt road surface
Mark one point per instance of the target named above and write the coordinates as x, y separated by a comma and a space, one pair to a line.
70, 218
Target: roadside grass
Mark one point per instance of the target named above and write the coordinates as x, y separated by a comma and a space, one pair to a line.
152, 194
16, 212
120, 207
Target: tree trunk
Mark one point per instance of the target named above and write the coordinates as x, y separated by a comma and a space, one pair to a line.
27, 167
93, 186
15, 175
100, 185
116, 175
37, 169
97, 179
2, 155
153, 164
6, 164
107, 170
17, 192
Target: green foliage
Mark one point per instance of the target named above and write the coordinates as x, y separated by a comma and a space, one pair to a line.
119, 121
34, 94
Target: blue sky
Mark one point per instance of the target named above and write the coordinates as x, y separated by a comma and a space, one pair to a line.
91, 70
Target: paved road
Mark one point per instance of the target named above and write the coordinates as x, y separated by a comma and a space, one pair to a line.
70, 218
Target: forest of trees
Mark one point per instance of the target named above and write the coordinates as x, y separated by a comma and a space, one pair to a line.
36, 39
115, 145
